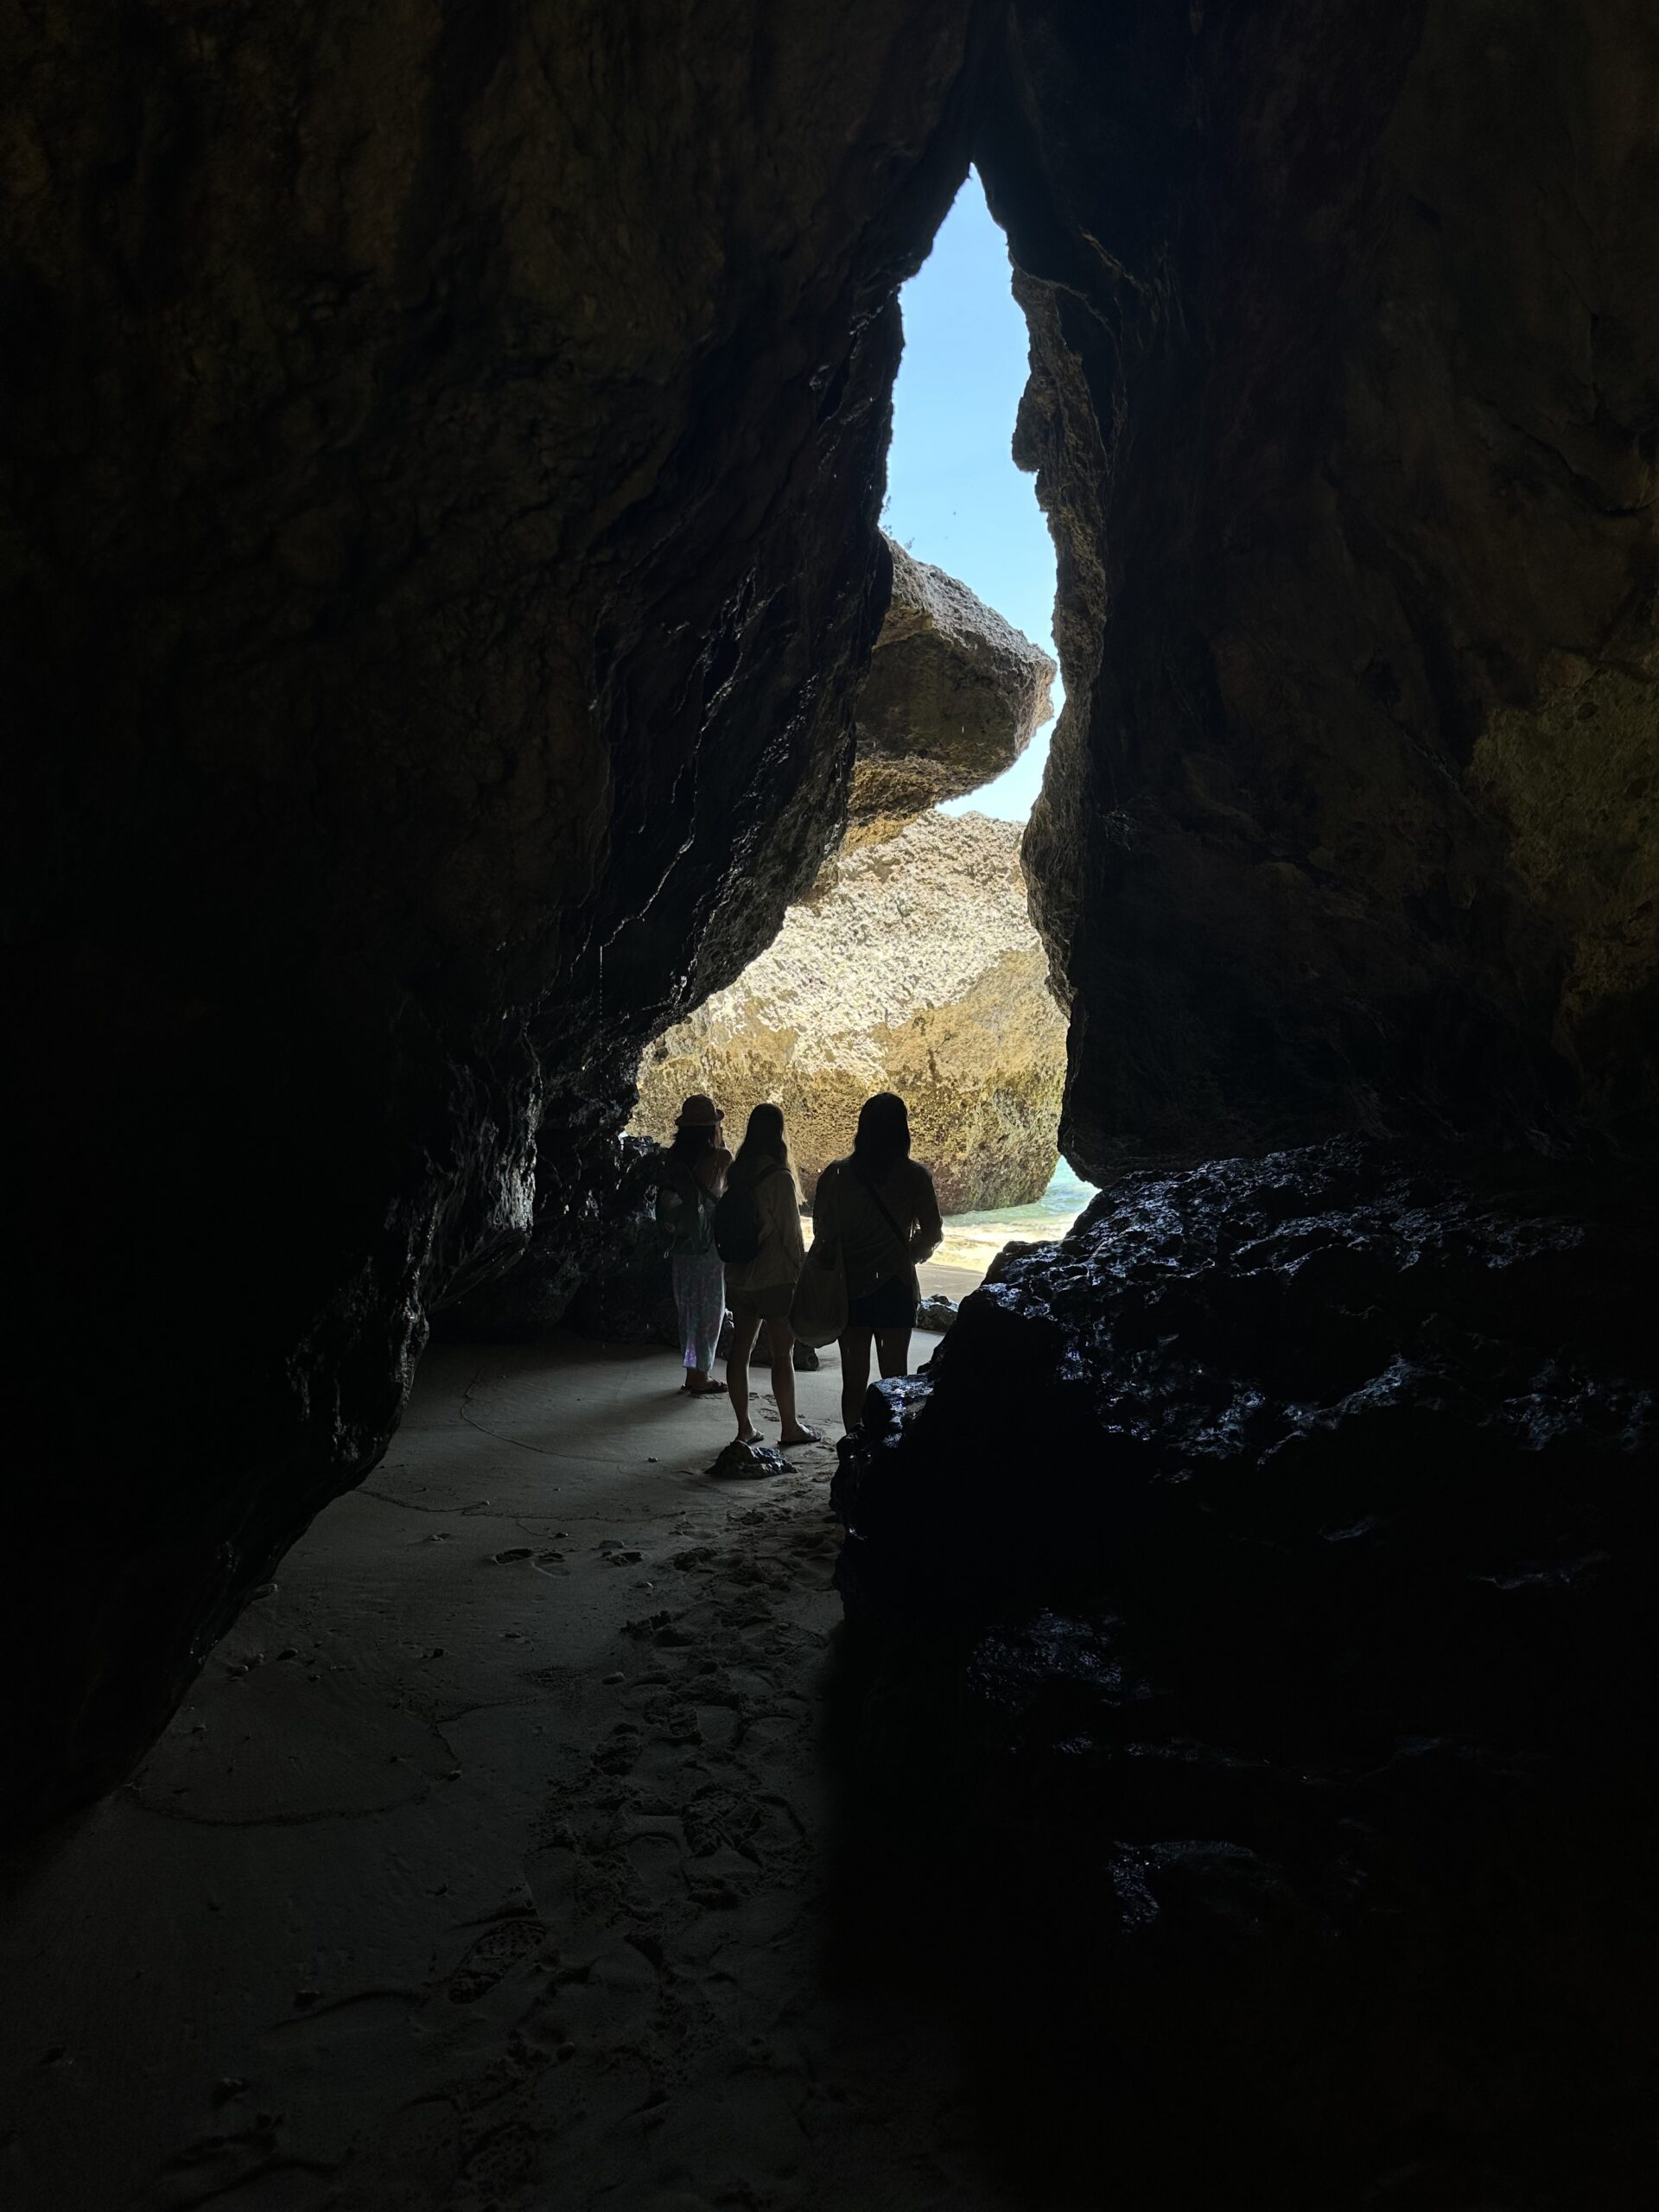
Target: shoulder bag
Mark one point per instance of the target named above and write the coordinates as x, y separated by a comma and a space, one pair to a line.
818, 1312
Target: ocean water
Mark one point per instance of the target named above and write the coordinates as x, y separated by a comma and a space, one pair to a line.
973, 1240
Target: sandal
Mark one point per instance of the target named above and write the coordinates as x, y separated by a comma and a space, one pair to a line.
805, 1435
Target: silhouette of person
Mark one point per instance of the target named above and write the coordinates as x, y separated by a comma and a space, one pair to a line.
760, 1288
879, 1209
691, 1177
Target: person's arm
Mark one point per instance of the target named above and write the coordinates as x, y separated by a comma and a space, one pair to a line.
825, 1222
930, 1228
786, 1217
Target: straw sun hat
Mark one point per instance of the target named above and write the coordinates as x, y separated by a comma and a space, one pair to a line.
698, 1112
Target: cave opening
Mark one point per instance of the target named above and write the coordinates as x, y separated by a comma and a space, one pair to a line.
1204, 1750
911, 963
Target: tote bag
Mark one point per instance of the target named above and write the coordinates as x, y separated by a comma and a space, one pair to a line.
818, 1313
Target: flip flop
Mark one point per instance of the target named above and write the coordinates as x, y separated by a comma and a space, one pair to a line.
807, 1436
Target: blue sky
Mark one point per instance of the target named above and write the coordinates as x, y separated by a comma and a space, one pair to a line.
954, 496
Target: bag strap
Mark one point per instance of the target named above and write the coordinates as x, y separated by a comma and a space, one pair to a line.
902, 1241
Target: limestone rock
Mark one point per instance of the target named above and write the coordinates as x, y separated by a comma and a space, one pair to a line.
951, 698
917, 972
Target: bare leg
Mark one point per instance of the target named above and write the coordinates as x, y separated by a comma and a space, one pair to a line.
782, 1340
893, 1350
854, 1376
737, 1373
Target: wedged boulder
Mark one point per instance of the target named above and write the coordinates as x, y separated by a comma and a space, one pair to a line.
1276, 1738
951, 698
916, 971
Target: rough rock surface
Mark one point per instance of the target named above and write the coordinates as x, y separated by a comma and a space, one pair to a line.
916, 971
1294, 1675
1345, 394
444, 457
951, 698
439, 559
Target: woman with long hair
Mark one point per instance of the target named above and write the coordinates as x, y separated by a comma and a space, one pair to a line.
764, 1198
878, 1207
691, 1176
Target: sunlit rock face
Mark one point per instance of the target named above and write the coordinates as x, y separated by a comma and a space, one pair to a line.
441, 554
843, 1006
916, 970
951, 698
1346, 349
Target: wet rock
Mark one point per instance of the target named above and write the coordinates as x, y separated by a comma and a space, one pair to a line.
806, 1359
1255, 1704
750, 1459
937, 1313
915, 969
1384, 1365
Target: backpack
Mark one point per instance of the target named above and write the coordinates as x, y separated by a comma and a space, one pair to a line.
683, 1207
737, 1223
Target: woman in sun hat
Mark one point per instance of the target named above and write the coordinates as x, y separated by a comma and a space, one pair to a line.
689, 1180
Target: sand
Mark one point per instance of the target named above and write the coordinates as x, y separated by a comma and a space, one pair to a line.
486, 1864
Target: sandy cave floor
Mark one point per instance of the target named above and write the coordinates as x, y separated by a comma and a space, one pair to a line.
486, 1863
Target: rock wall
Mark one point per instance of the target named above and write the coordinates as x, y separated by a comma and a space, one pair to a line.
1261, 1755
440, 560
952, 697
916, 970
1345, 393
440, 557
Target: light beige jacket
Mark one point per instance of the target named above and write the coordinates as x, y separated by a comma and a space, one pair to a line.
783, 1249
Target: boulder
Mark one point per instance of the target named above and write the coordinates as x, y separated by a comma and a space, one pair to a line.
951, 698
749, 1460
916, 970
1271, 1715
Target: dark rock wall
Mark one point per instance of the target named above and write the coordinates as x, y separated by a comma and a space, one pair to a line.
1343, 404
1272, 1773
440, 553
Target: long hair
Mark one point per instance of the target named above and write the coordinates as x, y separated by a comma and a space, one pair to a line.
763, 1143
883, 1137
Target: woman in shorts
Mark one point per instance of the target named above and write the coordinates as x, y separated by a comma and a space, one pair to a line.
759, 1290
878, 1207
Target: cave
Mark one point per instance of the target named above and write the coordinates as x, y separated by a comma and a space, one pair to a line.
444, 566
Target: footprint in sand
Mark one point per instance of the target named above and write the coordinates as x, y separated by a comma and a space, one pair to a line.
496, 1951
